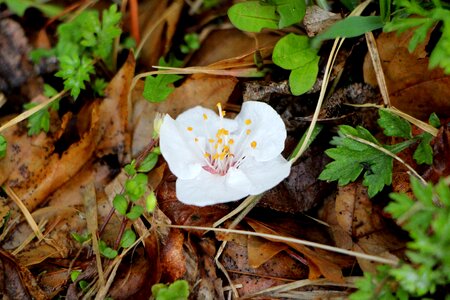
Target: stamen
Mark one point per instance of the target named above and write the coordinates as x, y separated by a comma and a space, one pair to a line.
211, 141
189, 128
253, 144
248, 131
230, 141
196, 140
248, 122
205, 117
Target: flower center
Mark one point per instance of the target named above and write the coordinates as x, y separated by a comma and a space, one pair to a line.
224, 150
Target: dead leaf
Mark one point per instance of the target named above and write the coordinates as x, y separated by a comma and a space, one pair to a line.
413, 88
441, 156
317, 20
261, 250
173, 261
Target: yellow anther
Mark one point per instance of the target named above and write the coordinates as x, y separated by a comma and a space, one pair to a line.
211, 141
253, 144
190, 128
226, 149
230, 141
219, 141
223, 113
216, 146
248, 122
207, 155
216, 156
248, 131
222, 156
205, 117
196, 140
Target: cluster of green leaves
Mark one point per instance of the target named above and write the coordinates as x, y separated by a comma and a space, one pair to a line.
428, 266
351, 157
81, 42
422, 16
192, 43
157, 88
83, 284
294, 52
178, 290
128, 239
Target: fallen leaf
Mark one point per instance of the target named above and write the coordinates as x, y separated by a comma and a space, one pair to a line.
261, 250
173, 261
413, 88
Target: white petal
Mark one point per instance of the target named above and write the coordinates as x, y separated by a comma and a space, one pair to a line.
209, 189
194, 118
179, 150
267, 130
265, 175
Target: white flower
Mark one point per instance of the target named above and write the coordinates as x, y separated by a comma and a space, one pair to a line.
219, 160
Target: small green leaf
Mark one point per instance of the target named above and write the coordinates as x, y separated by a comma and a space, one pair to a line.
291, 11
434, 121
19, 6
150, 202
136, 187
83, 284
130, 168
128, 238
75, 72
148, 163
158, 88
178, 290
120, 203
349, 27
39, 121
106, 251
400, 205
38, 53
135, 212
424, 152
99, 86
3, 146
253, 16
301, 80
394, 125
74, 275
293, 51
80, 238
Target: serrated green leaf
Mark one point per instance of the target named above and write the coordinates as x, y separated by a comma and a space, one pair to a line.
148, 163
39, 121
301, 80
253, 16
99, 86
443, 191
158, 88
423, 192
75, 72
128, 238
349, 27
394, 125
293, 51
3, 146
291, 11
424, 151
400, 205
120, 203
135, 212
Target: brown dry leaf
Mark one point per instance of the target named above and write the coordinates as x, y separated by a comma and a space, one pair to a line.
223, 46
198, 89
114, 111
173, 261
161, 29
358, 225
413, 88
317, 20
261, 250
16, 282
317, 261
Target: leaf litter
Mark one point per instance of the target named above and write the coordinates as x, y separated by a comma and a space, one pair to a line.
66, 179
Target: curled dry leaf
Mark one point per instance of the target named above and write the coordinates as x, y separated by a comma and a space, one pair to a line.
413, 88
173, 261
317, 20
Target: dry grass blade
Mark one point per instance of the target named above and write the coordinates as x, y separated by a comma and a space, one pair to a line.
373, 50
37, 232
28, 239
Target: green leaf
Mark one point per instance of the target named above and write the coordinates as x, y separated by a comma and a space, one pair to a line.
434, 121
106, 251
349, 27
38, 53
3, 146
150, 202
136, 187
253, 16
74, 275
394, 125
424, 152
120, 203
128, 238
135, 212
400, 205
178, 290
131, 168
148, 163
301, 80
158, 88
39, 121
291, 11
80, 238
19, 6
99, 86
351, 158
83, 284
192, 43
75, 72
293, 51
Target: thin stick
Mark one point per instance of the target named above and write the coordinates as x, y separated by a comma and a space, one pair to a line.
134, 20
289, 240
